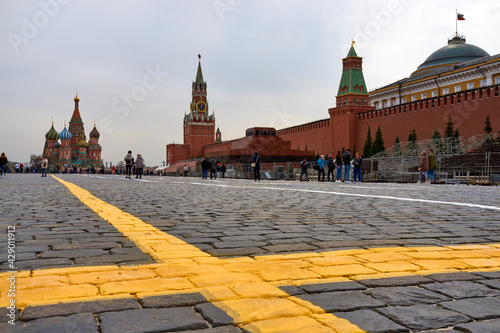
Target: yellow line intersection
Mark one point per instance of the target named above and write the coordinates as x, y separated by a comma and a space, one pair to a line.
246, 288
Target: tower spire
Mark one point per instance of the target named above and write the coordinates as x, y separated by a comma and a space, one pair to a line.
199, 74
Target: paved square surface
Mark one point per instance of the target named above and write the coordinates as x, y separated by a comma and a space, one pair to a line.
103, 254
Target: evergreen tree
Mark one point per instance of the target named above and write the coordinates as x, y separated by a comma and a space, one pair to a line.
448, 132
368, 144
436, 141
397, 148
378, 143
412, 147
487, 125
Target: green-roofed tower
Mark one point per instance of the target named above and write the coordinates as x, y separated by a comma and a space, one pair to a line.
352, 87
352, 99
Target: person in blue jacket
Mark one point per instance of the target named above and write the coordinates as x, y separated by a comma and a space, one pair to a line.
321, 168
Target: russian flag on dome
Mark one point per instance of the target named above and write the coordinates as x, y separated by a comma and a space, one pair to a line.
460, 17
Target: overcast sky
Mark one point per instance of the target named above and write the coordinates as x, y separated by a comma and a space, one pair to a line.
266, 63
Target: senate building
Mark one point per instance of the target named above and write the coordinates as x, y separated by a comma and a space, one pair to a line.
459, 81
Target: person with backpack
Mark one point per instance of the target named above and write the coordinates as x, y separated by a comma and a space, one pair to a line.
331, 168
129, 163
205, 166
44, 165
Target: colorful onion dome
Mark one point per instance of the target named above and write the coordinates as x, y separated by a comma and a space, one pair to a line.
52, 134
83, 143
57, 145
65, 134
76, 98
94, 133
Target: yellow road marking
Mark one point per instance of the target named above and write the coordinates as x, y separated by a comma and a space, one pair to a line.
246, 288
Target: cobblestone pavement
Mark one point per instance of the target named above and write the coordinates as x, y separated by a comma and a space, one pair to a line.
106, 254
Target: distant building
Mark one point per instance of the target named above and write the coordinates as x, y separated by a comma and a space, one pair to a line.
73, 148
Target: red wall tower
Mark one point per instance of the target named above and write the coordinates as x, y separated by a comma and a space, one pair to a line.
352, 98
199, 126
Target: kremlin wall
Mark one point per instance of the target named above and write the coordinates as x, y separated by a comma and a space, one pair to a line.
458, 81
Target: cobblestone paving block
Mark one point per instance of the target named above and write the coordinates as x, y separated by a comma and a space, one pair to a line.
371, 321
292, 290
488, 326
395, 281
78, 323
342, 301
462, 289
72, 253
39, 263
477, 308
327, 287
458, 276
394, 296
64, 309
221, 329
151, 320
495, 284
213, 314
424, 317
236, 252
172, 301
489, 275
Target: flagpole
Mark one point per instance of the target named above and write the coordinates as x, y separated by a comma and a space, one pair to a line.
456, 21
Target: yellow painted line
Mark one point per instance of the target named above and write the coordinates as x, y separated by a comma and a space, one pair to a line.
246, 288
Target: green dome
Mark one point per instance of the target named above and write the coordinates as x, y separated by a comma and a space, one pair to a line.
52, 134
457, 51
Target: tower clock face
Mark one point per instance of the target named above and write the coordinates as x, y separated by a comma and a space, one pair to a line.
201, 106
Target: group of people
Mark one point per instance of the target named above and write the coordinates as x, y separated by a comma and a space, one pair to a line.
427, 166
130, 163
213, 166
343, 160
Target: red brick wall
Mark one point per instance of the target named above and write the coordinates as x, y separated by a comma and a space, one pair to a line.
317, 136
177, 152
468, 117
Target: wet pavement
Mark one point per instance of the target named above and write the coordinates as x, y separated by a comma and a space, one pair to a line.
105, 254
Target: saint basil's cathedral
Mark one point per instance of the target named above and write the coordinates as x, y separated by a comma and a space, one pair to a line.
73, 149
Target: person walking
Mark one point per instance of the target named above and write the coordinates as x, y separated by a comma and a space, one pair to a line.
205, 166
213, 168
139, 166
423, 167
223, 169
129, 163
432, 165
331, 168
358, 162
185, 170
304, 165
321, 168
44, 165
3, 164
256, 166
346, 160
338, 166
